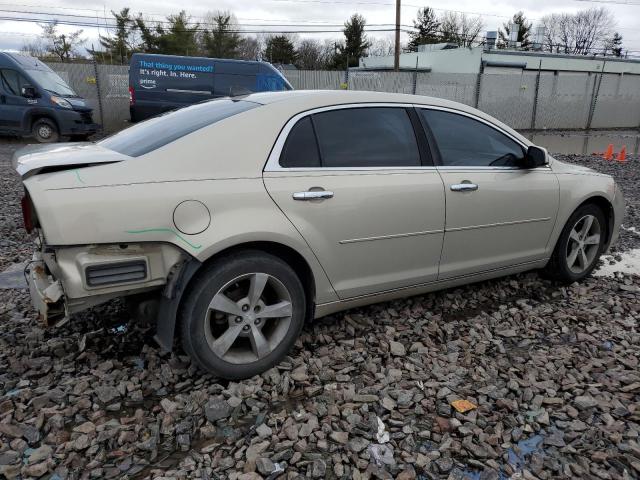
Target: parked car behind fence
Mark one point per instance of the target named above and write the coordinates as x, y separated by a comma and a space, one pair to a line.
35, 101
161, 83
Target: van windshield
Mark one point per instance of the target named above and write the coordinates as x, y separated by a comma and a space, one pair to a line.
51, 82
159, 131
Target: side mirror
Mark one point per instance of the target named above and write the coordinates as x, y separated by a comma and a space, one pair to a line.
535, 157
29, 92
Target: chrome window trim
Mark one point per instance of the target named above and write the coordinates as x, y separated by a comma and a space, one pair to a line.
273, 161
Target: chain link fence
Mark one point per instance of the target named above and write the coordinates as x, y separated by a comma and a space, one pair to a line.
529, 100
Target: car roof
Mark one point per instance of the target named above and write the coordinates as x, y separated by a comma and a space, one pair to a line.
338, 97
22, 61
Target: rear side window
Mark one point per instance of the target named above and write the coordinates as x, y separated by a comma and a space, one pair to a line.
301, 149
12, 81
366, 137
466, 142
157, 132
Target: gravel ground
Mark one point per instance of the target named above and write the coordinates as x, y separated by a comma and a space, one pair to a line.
551, 373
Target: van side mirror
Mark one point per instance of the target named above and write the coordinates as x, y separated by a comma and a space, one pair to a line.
535, 157
29, 91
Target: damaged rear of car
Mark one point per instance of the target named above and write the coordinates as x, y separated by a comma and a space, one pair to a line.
87, 252
155, 214
65, 278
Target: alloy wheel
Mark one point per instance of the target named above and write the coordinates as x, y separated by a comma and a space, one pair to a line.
583, 244
45, 132
248, 318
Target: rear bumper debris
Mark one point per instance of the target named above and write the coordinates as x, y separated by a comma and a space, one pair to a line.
47, 295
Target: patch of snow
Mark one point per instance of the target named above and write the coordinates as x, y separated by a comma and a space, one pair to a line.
631, 229
630, 263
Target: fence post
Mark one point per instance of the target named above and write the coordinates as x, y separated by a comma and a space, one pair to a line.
535, 98
479, 84
594, 96
96, 73
415, 78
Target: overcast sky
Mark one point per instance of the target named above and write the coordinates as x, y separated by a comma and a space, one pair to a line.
251, 13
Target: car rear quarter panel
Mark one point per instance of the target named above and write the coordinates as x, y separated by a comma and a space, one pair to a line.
134, 200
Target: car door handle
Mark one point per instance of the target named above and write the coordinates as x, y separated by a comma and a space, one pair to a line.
312, 195
464, 187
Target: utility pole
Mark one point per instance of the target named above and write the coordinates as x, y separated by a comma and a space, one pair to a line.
396, 59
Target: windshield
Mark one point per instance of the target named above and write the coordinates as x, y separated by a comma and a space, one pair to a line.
159, 131
52, 82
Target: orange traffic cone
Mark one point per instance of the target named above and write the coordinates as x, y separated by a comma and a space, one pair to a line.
622, 155
608, 155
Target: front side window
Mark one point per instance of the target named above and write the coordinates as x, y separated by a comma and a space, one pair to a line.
12, 81
463, 141
366, 137
159, 131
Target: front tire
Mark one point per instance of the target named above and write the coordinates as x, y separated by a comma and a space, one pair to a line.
580, 245
243, 314
45, 130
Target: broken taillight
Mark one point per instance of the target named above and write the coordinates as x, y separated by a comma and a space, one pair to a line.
27, 213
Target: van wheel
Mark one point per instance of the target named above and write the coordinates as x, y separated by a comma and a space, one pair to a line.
579, 247
45, 131
242, 315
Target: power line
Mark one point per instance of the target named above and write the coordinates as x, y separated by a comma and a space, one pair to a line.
168, 22
610, 2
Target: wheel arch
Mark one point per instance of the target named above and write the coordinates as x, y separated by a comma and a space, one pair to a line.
172, 298
607, 209
35, 115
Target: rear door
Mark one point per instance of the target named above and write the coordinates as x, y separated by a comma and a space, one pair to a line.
13, 105
357, 183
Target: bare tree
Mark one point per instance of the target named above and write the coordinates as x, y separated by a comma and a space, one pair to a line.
461, 28
580, 33
381, 47
62, 46
35, 48
311, 55
249, 48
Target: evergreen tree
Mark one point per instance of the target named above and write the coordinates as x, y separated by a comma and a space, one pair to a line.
427, 26
120, 46
616, 45
524, 31
280, 50
179, 38
355, 44
222, 41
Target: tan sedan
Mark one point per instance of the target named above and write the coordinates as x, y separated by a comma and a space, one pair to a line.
232, 221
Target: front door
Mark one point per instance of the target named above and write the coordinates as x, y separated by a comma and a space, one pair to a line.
498, 214
12, 104
354, 183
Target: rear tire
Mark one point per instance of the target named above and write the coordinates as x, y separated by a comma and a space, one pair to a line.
243, 314
579, 247
45, 130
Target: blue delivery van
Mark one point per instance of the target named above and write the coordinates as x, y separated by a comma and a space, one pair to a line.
161, 83
35, 101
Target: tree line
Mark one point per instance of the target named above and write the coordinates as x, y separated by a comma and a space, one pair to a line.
585, 32
218, 36
590, 31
